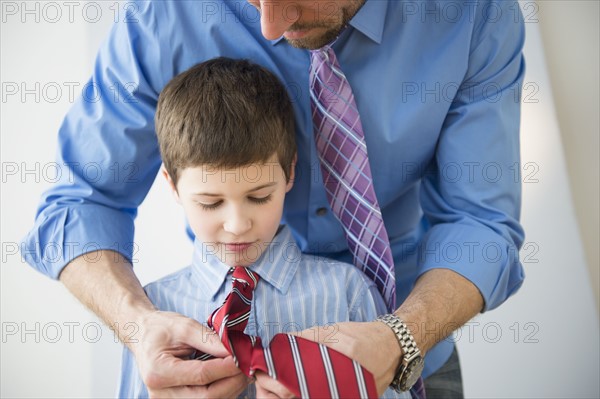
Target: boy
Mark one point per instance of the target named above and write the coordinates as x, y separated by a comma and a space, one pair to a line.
226, 135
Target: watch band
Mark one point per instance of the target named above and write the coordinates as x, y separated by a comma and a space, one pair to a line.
411, 364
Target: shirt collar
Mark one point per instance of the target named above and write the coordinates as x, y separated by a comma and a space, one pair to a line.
369, 20
276, 266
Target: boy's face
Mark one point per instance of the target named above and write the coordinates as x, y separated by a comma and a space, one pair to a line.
234, 212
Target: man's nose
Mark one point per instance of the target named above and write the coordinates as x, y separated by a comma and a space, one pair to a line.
237, 223
276, 16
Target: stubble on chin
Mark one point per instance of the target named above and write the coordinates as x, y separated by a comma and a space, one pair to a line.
333, 28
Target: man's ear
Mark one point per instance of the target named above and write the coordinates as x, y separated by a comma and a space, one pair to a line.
171, 184
290, 182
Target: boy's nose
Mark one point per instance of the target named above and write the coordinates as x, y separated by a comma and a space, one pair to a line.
276, 16
237, 224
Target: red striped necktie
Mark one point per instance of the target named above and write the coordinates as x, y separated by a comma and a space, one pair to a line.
306, 368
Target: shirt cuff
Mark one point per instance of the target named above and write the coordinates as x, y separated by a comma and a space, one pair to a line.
62, 234
483, 257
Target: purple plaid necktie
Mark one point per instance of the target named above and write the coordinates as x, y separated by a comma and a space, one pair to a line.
347, 176
346, 172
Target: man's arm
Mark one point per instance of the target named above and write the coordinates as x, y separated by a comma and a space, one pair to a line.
105, 283
441, 302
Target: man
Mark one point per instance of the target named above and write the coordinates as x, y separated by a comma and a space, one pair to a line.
437, 88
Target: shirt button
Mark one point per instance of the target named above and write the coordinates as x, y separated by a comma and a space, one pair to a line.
321, 212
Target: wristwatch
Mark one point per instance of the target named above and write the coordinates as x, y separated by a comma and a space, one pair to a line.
411, 364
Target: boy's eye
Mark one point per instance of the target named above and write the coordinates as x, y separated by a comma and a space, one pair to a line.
208, 207
262, 200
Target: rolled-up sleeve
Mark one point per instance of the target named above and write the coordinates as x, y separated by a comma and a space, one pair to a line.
108, 154
472, 197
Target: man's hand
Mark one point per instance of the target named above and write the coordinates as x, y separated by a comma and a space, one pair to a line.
108, 287
372, 344
165, 343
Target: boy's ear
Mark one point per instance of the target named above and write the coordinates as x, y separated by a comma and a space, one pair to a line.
171, 184
290, 182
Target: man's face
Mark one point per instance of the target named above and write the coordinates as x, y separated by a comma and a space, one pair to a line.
308, 24
236, 212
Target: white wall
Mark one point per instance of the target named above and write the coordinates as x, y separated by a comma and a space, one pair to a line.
55, 358
526, 360
573, 66
51, 345
544, 341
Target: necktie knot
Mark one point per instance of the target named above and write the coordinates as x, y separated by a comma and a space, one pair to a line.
246, 277
322, 52
324, 55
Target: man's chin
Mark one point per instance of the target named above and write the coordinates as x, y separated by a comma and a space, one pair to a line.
314, 42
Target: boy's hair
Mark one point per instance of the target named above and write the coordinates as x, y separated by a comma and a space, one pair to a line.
225, 113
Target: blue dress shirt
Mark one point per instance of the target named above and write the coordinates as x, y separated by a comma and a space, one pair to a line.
437, 85
295, 292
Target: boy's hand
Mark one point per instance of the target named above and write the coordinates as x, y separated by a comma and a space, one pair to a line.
166, 340
268, 388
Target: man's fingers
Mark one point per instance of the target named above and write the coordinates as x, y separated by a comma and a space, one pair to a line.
168, 338
262, 393
204, 339
230, 387
271, 388
178, 372
177, 392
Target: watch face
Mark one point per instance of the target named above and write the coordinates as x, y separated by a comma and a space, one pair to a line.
412, 373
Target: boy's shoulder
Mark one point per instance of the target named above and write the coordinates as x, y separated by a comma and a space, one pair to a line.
332, 269
285, 250
170, 279
339, 282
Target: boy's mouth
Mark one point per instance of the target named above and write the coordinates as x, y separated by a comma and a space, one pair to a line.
237, 246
